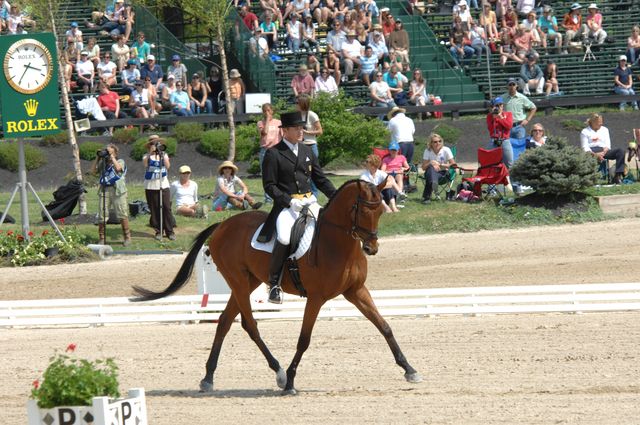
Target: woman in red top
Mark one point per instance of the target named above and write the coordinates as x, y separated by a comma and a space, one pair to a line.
499, 124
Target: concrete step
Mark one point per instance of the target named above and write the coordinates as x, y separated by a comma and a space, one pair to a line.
624, 205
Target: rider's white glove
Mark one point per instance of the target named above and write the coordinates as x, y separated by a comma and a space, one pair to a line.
296, 205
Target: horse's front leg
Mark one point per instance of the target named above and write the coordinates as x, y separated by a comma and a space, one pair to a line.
311, 311
361, 298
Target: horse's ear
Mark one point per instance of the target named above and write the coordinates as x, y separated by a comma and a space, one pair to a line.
381, 186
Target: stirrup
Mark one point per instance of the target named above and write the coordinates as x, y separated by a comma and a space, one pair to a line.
275, 295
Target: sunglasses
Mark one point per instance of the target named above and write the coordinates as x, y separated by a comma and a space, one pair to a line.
536, 130
512, 84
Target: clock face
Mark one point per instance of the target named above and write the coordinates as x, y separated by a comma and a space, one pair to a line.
28, 66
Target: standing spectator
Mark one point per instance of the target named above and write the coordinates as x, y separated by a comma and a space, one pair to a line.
249, 18
593, 27
380, 93
489, 21
368, 65
110, 104
184, 192
180, 102
121, 52
595, 140
351, 52
531, 75
294, 33
398, 40
85, 72
129, 76
572, 24
153, 71
140, 49
373, 174
214, 88
74, 34
198, 95
269, 30
107, 70
178, 69
270, 135
548, 25
332, 63
94, 51
326, 83
237, 91
457, 39
633, 46
623, 81
335, 38
309, 34
402, 130
520, 106
302, 83
436, 162
551, 79
156, 185
310, 130
395, 164
499, 124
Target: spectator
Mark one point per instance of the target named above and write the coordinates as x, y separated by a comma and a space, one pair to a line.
392, 78
531, 24
373, 174
231, 192
332, 63
461, 10
302, 83
178, 69
156, 107
309, 34
520, 106
351, 52
70, 58
499, 124
249, 18
362, 36
271, 10
398, 40
94, 51
341, 9
478, 40
129, 76
184, 192
269, 30
524, 7
349, 23
313, 65
510, 20
418, 92
368, 65
5, 7
623, 81
214, 88
259, 45
572, 24
551, 79
381, 93
121, 52
139, 101
167, 91
436, 162
458, 41
321, 12
109, 102
237, 91
633, 46
72, 33
312, 128
489, 21
85, 72
503, 7
270, 135
388, 23
326, 83
197, 91
294, 33
140, 49
523, 42
362, 17
153, 72
156, 187
180, 102
402, 130
507, 49
531, 75
395, 164
298, 7
595, 140
335, 38
107, 70
593, 27
537, 138
378, 44
548, 25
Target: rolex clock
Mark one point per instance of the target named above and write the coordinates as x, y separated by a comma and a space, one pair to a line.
28, 66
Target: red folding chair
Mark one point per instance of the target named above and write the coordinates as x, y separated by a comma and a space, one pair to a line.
491, 171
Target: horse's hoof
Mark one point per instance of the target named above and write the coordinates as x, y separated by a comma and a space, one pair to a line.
292, 391
206, 387
414, 377
281, 378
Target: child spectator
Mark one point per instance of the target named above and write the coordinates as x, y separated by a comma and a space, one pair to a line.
231, 192
374, 175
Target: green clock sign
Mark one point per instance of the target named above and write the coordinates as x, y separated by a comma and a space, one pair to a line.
29, 85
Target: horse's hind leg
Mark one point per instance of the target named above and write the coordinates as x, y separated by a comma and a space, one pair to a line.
361, 298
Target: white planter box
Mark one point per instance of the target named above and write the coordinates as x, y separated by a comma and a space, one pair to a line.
126, 411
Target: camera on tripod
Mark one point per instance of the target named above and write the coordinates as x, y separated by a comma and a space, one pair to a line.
103, 153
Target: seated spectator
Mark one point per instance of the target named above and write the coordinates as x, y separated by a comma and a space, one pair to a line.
395, 164
393, 80
302, 83
381, 93
548, 25
121, 53
340, 10
368, 65
418, 92
107, 70
507, 49
461, 10
458, 39
153, 72
16, 21
294, 33
349, 23
249, 18
104, 19
398, 40
362, 36
313, 65
623, 81
167, 90
180, 104
387, 21
178, 69
139, 101
85, 72
363, 18
154, 98
524, 7
5, 7
94, 51
237, 90
531, 24
593, 27
75, 34
502, 8
214, 88
332, 63
572, 24
531, 76
297, 7
271, 10
392, 59
510, 21
537, 138
633, 46
436, 162
231, 192
489, 21
378, 44
595, 140
374, 175
523, 42
478, 40
269, 30
70, 58
321, 12
551, 79
351, 52
259, 45
335, 38
326, 83
197, 91
184, 193
109, 102
129, 76
309, 34
140, 49
499, 125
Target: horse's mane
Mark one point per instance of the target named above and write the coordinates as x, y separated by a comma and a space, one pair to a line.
371, 186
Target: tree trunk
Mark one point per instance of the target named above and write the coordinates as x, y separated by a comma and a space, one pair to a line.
227, 93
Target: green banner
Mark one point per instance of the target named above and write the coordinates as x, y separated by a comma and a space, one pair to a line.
29, 85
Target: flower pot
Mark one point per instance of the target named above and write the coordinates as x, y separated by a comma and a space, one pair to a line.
103, 411
51, 252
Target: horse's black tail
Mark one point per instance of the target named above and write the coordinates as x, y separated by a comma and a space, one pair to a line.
183, 274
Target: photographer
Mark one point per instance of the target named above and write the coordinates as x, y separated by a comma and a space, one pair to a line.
499, 123
112, 194
156, 187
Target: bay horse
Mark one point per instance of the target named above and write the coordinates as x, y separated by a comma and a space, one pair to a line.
334, 265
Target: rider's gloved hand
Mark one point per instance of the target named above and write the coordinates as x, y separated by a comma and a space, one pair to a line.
296, 205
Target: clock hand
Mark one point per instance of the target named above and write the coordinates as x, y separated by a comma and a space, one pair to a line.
25, 71
33, 67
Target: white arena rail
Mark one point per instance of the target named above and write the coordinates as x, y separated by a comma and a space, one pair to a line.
418, 302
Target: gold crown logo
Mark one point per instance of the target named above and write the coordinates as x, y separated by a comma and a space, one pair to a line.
31, 106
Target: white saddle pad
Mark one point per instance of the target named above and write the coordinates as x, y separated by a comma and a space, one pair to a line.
305, 242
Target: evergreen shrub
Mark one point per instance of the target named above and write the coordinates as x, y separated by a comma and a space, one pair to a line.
88, 150
188, 132
125, 135
33, 156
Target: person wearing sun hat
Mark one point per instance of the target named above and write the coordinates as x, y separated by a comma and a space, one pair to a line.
572, 24
593, 27
287, 172
156, 184
623, 81
184, 193
231, 192
402, 130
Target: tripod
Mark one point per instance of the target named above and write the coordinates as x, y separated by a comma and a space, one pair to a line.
103, 189
161, 156
588, 54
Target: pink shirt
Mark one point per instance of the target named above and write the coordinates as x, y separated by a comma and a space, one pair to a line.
303, 84
273, 133
394, 164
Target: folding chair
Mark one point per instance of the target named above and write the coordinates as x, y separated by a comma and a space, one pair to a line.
407, 177
445, 183
633, 151
491, 171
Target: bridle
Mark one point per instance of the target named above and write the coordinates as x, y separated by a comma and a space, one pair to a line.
358, 231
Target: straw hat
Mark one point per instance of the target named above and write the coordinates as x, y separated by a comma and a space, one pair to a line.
227, 164
395, 110
234, 73
154, 138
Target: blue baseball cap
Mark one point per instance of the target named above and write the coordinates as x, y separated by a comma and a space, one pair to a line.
497, 101
74, 24
394, 146
175, 58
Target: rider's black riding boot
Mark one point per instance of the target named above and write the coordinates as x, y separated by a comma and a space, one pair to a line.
278, 257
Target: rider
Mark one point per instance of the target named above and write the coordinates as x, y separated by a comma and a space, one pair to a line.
287, 172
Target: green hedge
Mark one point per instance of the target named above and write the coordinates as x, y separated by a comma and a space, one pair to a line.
138, 150
88, 150
54, 139
125, 135
215, 143
33, 156
188, 132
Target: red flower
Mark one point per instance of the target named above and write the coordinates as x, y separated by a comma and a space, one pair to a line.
71, 348
61, 221
36, 384
30, 233
45, 232
20, 238
10, 232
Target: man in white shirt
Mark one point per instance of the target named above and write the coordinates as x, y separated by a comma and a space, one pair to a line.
595, 140
351, 52
402, 130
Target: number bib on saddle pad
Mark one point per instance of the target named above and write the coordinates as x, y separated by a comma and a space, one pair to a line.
305, 241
